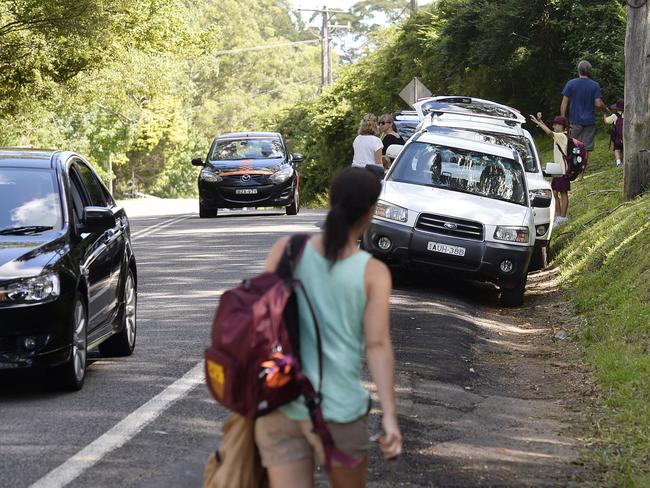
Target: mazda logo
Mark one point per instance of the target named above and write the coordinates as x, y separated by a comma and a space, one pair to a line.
451, 226
245, 177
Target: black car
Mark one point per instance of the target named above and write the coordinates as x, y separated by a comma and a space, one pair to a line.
249, 169
68, 278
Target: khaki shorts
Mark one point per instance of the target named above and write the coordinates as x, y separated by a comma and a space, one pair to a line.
281, 440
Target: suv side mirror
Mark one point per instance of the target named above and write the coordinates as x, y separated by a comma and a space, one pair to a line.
297, 157
97, 219
541, 202
394, 150
197, 162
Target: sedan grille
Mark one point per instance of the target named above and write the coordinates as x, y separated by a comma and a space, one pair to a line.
449, 226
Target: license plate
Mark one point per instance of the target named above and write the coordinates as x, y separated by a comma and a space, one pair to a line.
246, 191
446, 249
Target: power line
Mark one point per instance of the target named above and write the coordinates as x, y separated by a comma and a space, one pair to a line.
264, 46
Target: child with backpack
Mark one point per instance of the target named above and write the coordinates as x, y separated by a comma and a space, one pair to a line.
616, 131
349, 293
560, 184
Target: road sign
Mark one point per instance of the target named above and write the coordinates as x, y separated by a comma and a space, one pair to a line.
414, 91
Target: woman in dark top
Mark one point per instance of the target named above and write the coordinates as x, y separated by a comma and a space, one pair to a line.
389, 134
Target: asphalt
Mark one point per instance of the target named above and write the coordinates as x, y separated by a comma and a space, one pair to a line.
462, 426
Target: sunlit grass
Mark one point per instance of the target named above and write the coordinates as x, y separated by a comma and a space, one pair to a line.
604, 254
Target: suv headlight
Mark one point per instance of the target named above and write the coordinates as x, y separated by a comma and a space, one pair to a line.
392, 212
282, 175
210, 176
511, 234
542, 192
40, 289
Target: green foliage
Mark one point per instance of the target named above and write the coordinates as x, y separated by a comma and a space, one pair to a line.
605, 269
514, 52
146, 82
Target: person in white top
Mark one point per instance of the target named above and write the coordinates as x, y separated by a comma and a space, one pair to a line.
367, 146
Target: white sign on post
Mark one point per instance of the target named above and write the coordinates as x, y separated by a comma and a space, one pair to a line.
414, 91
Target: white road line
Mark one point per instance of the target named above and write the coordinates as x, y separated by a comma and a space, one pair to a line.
161, 225
121, 433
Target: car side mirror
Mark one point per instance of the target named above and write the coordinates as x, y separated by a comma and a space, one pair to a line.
297, 157
541, 202
394, 150
197, 162
97, 219
553, 169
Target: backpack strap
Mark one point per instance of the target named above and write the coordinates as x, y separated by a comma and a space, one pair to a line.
292, 254
313, 398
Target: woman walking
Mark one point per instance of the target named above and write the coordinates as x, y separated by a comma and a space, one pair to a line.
350, 292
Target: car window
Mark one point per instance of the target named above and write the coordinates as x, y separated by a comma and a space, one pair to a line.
246, 148
94, 190
29, 197
77, 196
461, 170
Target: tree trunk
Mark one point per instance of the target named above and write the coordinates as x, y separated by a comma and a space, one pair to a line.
636, 129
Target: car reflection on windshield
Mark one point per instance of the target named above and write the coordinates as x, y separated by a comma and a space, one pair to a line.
29, 201
460, 170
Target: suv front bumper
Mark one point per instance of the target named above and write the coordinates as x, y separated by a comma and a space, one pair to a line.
482, 259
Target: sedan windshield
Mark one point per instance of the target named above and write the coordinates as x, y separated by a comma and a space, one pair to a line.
246, 148
461, 170
29, 201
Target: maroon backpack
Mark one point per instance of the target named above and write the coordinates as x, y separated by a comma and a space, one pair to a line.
252, 366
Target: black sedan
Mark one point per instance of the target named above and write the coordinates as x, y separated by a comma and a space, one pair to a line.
67, 272
252, 169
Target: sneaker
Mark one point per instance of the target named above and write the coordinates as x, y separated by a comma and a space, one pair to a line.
619, 163
559, 221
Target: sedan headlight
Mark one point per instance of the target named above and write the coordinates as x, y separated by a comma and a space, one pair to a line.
210, 176
282, 175
392, 212
511, 234
29, 291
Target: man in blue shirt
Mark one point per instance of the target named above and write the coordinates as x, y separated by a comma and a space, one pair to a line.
581, 95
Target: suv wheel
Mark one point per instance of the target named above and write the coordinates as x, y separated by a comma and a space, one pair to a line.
294, 208
123, 343
206, 212
513, 297
539, 259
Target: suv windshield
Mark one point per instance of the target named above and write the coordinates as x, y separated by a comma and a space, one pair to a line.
246, 148
461, 170
29, 201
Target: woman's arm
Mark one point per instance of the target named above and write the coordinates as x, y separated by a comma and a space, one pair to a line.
379, 351
378, 155
275, 255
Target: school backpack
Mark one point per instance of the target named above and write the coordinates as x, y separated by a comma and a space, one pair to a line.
252, 366
616, 132
575, 157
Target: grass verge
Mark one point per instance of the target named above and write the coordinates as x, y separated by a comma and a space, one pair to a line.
604, 256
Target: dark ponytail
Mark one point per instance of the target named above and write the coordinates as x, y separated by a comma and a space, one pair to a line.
353, 192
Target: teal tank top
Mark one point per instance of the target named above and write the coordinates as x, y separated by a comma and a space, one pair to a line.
339, 298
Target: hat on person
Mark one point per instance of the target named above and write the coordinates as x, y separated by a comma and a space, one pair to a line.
618, 105
561, 120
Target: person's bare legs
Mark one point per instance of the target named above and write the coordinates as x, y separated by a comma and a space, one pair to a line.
564, 203
558, 208
297, 474
356, 477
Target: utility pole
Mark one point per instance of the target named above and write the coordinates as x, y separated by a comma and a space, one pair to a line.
413, 5
325, 40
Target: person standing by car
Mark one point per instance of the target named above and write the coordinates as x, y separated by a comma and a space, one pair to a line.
560, 184
367, 146
389, 137
580, 96
350, 293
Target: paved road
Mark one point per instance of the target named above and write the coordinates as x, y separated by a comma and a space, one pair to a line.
148, 421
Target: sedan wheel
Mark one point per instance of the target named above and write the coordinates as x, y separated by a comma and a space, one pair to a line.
294, 208
123, 342
72, 373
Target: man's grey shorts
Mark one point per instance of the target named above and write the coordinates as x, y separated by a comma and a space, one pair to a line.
585, 134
